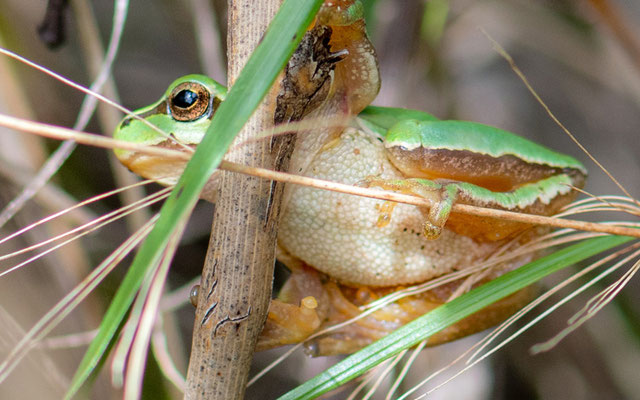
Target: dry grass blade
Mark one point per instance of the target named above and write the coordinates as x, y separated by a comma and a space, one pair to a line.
65, 211
70, 301
101, 141
405, 369
54, 162
590, 309
160, 349
149, 300
524, 79
97, 223
101, 222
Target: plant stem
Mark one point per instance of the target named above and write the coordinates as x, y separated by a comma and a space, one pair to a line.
237, 276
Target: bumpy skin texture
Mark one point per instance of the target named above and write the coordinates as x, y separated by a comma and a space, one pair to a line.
339, 235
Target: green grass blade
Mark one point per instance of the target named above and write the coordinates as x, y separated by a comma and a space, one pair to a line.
448, 314
269, 58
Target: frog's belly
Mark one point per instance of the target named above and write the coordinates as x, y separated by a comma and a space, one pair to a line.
339, 235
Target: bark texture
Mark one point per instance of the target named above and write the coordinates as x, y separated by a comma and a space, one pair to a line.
237, 278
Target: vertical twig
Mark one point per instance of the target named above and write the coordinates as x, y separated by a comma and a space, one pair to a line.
236, 280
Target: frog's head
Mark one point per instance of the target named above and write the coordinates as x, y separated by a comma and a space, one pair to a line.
183, 113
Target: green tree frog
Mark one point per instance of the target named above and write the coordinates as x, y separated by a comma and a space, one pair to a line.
365, 247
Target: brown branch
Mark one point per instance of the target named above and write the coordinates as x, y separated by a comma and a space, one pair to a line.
236, 280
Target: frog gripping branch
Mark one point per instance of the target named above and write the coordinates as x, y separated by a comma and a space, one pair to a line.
346, 251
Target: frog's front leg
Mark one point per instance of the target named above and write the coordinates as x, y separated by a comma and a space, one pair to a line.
442, 197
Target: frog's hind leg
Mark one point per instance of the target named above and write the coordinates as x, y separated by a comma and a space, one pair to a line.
346, 304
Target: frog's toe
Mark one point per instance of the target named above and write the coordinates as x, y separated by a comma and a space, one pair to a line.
431, 231
299, 310
439, 213
288, 323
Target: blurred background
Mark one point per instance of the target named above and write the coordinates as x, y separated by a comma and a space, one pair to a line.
581, 56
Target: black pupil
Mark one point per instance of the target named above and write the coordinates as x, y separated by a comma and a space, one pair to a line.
185, 99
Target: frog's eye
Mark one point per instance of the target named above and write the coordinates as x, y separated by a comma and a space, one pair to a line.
189, 101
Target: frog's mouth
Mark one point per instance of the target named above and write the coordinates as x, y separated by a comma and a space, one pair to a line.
165, 171
158, 109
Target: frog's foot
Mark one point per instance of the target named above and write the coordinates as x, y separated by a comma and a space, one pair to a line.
299, 310
442, 197
289, 323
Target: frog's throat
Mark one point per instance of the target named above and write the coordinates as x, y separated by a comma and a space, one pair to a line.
158, 168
